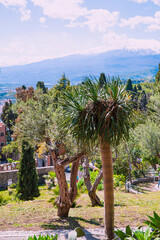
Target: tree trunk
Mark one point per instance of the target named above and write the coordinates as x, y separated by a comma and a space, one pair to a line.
91, 190
73, 181
63, 203
129, 163
106, 156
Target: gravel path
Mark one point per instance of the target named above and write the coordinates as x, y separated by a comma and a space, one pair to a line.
90, 234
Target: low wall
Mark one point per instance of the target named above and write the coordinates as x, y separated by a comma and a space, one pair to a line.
6, 175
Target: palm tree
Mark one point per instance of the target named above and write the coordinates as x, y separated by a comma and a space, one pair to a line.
101, 116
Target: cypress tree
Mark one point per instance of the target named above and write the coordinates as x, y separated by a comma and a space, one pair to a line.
129, 86
139, 86
102, 80
135, 89
27, 186
143, 101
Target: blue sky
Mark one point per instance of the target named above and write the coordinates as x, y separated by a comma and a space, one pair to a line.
34, 30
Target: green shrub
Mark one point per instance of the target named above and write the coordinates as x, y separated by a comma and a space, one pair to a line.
40, 237
13, 185
56, 190
154, 222
134, 235
3, 201
119, 181
80, 183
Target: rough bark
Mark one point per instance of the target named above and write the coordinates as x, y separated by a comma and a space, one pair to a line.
129, 162
63, 203
106, 156
91, 189
73, 181
70, 160
66, 196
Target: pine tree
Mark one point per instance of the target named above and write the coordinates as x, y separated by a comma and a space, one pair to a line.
41, 86
135, 89
143, 101
139, 86
27, 186
102, 79
157, 77
129, 86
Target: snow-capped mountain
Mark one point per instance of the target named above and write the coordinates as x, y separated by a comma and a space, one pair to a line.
137, 65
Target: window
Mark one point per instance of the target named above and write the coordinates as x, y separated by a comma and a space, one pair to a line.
2, 134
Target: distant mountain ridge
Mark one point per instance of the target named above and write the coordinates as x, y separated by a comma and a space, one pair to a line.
138, 65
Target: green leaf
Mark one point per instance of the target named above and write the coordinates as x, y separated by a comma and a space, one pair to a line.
80, 232
128, 231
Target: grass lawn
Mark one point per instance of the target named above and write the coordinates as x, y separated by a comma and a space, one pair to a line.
41, 214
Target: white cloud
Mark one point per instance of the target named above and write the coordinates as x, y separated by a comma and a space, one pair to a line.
7, 3
42, 20
157, 2
101, 19
114, 41
21, 4
153, 23
62, 9
25, 14
140, 1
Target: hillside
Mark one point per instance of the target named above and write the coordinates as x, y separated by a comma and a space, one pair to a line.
137, 65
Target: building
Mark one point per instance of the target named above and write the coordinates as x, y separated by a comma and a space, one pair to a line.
2, 135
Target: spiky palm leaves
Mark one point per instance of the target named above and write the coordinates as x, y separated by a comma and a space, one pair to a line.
91, 111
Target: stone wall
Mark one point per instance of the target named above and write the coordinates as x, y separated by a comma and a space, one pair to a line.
6, 175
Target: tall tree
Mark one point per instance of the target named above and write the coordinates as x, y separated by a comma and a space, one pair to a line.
129, 86
38, 123
41, 86
8, 117
99, 115
27, 186
102, 79
157, 77
135, 89
139, 86
143, 101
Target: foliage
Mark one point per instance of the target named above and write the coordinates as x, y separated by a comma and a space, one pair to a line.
40, 237
3, 201
41, 85
119, 180
42, 149
103, 111
27, 185
134, 235
157, 77
8, 117
135, 89
139, 87
11, 149
143, 101
129, 86
102, 79
154, 222
24, 94
150, 142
